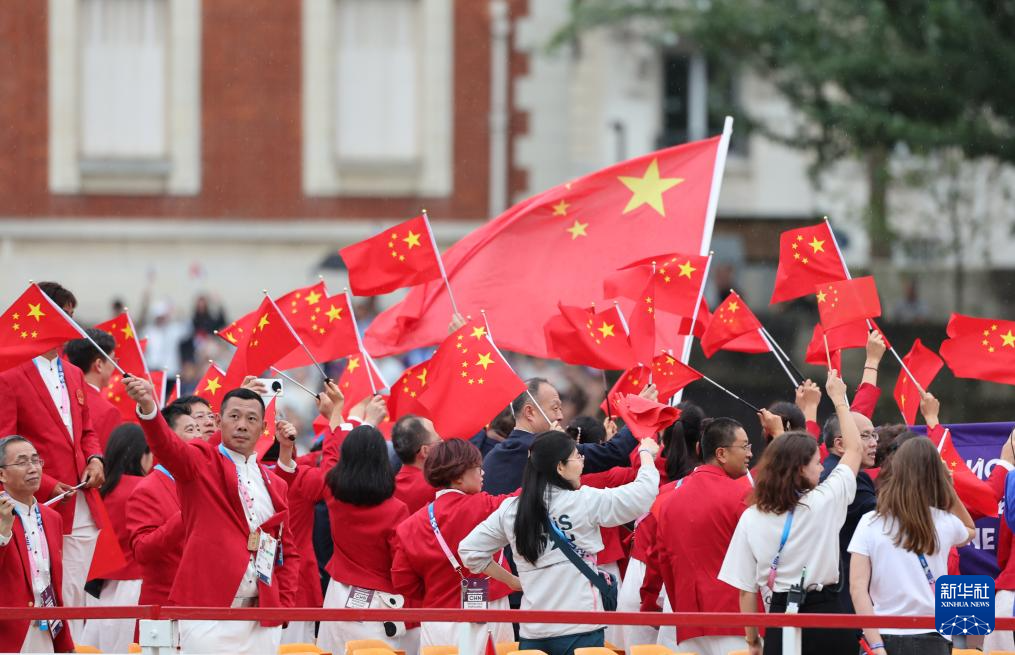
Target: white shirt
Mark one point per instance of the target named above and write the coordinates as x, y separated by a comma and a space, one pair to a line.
813, 539
35, 535
257, 507
49, 369
898, 584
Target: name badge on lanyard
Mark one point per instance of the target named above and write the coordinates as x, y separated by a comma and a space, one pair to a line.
359, 598
264, 562
475, 593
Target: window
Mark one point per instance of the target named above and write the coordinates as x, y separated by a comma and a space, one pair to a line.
124, 80
696, 95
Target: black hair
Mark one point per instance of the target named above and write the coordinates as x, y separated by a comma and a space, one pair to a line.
547, 451
60, 295
193, 400
717, 433
526, 397
585, 429
830, 430
792, 416
678, 461
408, 435
363, 474
504, 422
172, 413
688, 428
81, 353
124, 450
242, 393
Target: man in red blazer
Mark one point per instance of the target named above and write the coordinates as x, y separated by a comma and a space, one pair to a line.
232, 507
31, 541
97, 371
412, 437
44, 400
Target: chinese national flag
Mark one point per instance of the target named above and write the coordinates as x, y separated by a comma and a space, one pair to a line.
586, 337
117, 396
848, 301
129, 354
401, 256
32, 325
559, 246
107, 557
974, 493
633, 380
268, 340
983, 349
807, 257
642, 416
641, 323
355, 380
405, 392
469, 383
324, 324
211, 386
850, 335
159, 382
267, 438
924, 365
668, 374
677, 277
731, 320
238, 329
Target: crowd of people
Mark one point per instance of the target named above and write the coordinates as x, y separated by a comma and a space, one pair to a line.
844, 517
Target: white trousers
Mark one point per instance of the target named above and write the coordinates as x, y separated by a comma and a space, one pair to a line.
333, 634
1001, 639
229, 636
667, 633
629, 600
299, 632
712, 645
111, 635
434, 633
78, 547
38, 641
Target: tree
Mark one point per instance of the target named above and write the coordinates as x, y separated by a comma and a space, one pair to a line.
868, 76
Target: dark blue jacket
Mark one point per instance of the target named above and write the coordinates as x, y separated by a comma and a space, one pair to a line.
504, 465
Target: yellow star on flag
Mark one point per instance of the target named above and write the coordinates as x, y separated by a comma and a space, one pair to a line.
213, 385
127, 332
479, 332
648, 189
412, 240
733, 306
821, 296
422, 378
577, 230
313, 297
263, 322
560, 209
353, 364
334, 313
1008, 339
686, 269
817, 245
606, 329
35, 312
484, 361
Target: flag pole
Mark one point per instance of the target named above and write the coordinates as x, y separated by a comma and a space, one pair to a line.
771, 349
294, 381
486, 322
296, 336
870, 324
80, 330
137, 342
685, 354
440, 260
727, 391
162, 394
367, 360
782, 352
178, 387
828, 353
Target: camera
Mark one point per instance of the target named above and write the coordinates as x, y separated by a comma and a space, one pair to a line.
274, 387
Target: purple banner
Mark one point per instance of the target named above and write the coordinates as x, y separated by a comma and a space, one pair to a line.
979, 444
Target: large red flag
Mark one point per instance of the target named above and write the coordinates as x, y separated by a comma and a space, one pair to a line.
848, 301
469, 382
129, 353
924, 364
732, 319
326, 327
974, 493
32, 325
678, 280
404, 398
807, 258
983, 349
585, 337
559, 246
401, 256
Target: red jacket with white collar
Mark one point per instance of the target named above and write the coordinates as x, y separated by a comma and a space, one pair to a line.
16, 581
28, 409
214, 522
156, 532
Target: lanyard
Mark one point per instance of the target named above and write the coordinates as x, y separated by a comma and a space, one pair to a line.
164, 471
443, 544
782, 544
64, 406
926, 571
245, 496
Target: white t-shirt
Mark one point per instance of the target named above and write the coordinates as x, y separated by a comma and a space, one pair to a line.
813, 539
898, 583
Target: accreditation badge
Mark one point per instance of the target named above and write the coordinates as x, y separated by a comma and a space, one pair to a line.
264, 562
475, 593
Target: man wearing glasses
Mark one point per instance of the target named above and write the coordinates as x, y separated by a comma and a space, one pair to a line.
31, 546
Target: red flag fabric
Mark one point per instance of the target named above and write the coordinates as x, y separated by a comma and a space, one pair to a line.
129, 354
974, 493
585, 337
732, 319
211, 386
32, 325
401, 256
747, 343
851, 335
807, 257
355, 381
116, 395
848, 301
644, 417
667, 373
405, 392
641, 322
267, 341
678, 280
325, 325
107, 557
982, 349
631, 381
559, 246
267, 438
469, 383
159, 382
924, 365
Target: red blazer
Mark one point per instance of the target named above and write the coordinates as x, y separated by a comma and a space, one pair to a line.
412, 488
27, 409
116, 505
105, 416
214, 522
420, 570
156, 535
16, 582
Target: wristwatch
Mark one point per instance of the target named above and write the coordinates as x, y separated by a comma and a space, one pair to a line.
98, 457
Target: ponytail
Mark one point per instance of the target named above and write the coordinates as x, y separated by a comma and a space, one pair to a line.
547, 451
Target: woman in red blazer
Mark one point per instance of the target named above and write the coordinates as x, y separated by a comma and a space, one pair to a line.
128, 460
422, 571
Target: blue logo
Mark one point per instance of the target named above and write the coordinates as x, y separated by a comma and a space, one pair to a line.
964, 604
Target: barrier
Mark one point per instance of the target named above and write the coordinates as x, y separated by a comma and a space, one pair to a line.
160, 618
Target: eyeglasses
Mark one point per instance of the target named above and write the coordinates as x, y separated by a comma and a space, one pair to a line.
202, 416
577, 458
869, 435
24, 462
746, 447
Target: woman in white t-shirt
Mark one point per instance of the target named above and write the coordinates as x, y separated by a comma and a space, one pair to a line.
900, 549
789, 536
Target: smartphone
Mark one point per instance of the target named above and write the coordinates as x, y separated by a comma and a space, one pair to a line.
274, 387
